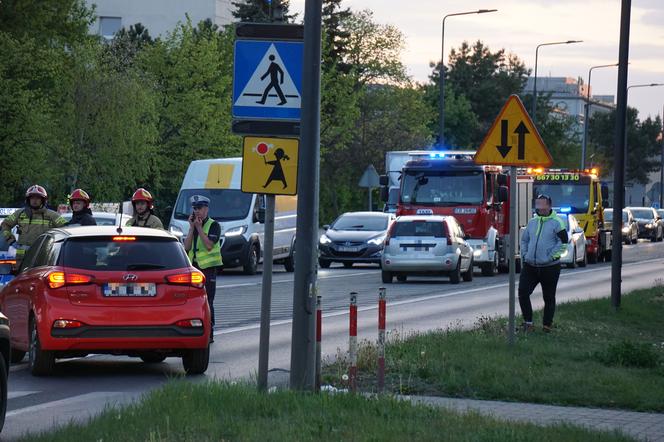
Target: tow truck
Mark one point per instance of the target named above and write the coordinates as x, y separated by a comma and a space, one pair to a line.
450, 183
581, 193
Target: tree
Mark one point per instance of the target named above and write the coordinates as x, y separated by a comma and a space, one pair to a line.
191, 70
643, 146
112, 127
461, 123
263, 11
121, 52
336, 35
485, 78
374, 50
56, 22
31, 76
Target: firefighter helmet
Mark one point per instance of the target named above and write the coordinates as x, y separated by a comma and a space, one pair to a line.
79, 195
142, 195
36, 190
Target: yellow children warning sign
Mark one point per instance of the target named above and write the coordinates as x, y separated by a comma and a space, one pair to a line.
269, 165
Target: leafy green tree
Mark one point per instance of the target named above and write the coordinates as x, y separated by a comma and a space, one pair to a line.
643, 147
121, 52
30, 134
112, 126
55, 22
374, 50
192, 73
336, 36
262, 11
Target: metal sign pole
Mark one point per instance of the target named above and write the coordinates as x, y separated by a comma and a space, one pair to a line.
303, 347
266, 294
512, 253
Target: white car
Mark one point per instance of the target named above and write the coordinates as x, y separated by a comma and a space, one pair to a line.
575, 255
426, 245
104, 218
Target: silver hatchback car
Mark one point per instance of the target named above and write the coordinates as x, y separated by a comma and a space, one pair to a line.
429, 245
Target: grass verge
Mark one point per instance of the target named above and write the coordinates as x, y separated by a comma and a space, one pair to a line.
594, 357
183, 411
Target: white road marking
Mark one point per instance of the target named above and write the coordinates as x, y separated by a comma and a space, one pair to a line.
282, 281
417, 299
67, 402
17, 394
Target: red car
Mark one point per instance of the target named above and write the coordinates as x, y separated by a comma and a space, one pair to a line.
84, 290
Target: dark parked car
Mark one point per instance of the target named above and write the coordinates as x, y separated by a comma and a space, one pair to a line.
630, 228
650, 224
354, 237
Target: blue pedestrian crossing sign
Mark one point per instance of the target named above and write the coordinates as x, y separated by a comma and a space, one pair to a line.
267, 80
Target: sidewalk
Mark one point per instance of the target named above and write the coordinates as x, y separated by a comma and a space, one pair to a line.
643, 426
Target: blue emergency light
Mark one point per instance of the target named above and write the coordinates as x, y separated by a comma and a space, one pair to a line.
565, 209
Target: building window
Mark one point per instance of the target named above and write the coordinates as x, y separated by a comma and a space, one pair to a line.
108, 26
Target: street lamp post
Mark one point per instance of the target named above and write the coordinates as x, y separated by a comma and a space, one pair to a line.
661, 168
627, 128
442, 71
586, 114
534, 106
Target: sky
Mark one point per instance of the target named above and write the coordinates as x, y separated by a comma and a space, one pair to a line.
520, 25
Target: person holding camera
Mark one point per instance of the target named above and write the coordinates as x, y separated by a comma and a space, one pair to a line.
202, 246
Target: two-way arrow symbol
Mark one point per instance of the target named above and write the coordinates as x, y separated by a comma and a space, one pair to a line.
521, 130
504, 148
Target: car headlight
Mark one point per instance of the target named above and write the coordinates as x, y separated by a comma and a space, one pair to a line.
625, 230
650, 226
377, 241
564, 254
175, 230
477, 252
235, 231
324, 239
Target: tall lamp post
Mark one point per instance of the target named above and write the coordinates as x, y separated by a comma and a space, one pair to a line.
442, 71
586, 114
534, 106
661, 168
627, 127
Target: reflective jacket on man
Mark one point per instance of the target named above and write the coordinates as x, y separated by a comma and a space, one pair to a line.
544, 240
31, 223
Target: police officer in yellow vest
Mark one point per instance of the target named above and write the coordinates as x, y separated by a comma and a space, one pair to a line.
202, 245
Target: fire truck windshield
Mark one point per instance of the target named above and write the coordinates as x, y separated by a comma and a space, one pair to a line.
443, 188
573, 195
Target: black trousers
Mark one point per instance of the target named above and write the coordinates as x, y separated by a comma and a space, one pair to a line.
210, 288
528, 280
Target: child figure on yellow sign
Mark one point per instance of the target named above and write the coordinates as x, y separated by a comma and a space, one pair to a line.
277, 173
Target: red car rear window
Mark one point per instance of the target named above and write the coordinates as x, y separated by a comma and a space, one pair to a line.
102, 253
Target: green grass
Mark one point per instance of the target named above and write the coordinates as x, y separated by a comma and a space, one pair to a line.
594, 357
184, 411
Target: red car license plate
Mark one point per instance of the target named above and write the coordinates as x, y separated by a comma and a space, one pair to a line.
117, 289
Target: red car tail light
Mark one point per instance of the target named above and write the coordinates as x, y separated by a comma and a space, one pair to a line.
67, 323
189, 323
8, 261
194, 279
61, 279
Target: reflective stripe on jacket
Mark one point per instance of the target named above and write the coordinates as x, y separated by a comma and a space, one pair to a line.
31, 223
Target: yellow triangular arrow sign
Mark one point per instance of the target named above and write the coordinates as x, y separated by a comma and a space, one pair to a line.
513, 139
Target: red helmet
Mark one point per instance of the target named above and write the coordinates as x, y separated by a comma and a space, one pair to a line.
142, 195
79, 195
36, 190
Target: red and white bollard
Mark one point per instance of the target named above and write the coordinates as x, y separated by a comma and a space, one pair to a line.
319, 338
382, 304
352, 343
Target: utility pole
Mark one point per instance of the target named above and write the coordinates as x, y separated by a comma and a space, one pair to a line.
303, 347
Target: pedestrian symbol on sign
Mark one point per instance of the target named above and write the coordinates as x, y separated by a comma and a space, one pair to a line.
279, 90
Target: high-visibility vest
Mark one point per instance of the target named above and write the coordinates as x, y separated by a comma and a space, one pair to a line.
206, 258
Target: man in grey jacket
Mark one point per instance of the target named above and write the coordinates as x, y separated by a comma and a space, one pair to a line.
542, 244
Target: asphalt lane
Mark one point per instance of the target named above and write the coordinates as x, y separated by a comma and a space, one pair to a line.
83, 386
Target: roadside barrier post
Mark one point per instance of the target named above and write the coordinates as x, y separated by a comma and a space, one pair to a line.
352, 343
381, 338
319, 336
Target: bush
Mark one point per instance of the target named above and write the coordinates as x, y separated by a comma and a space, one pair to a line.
629, 354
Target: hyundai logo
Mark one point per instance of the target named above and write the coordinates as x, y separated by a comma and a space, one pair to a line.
130, 277
348, 243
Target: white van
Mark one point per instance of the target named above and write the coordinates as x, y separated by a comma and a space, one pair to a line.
240, 215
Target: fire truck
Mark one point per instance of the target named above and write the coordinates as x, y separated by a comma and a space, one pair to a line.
450, 183
581, 193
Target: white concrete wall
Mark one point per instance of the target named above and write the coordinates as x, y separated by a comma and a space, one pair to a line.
161, 16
